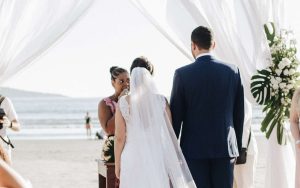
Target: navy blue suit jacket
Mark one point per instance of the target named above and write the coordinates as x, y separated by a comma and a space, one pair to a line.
207, 104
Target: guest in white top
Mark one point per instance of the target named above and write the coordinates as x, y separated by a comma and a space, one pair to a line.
9, 121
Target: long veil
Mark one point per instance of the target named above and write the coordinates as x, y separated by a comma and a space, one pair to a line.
158, 150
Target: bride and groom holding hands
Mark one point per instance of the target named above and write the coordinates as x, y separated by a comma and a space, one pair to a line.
206, 114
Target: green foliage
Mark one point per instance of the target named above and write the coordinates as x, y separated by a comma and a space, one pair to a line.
274, 86
108, 150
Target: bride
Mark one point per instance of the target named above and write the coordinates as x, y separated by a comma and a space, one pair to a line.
146, 149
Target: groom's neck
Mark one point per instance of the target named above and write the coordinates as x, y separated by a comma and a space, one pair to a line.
202, 51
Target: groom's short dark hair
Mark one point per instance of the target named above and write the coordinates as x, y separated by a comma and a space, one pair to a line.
202, 37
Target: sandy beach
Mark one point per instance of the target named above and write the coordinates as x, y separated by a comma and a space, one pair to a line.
58, 163
72, 163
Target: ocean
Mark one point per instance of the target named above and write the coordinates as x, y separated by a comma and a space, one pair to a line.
54, 117
63, 117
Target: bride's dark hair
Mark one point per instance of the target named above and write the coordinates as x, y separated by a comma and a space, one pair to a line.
142, 62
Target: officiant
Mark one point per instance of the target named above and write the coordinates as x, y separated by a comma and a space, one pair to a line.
107, 106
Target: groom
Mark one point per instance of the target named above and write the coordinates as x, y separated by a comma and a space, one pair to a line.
207, 104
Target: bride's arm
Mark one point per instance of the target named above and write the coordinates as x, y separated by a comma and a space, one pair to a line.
168, 111
120, 136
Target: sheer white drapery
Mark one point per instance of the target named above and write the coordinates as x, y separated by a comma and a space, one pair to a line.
28, 28
237, 24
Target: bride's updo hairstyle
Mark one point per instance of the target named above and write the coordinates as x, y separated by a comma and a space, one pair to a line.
142, 62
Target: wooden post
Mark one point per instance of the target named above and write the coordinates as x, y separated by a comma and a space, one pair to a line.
106, 174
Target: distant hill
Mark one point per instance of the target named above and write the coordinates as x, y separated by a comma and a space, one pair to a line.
16, 93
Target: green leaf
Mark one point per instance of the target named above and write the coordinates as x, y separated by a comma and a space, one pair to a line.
272, 125
270, 34
266, 121
264, 72
280, 133
260, 87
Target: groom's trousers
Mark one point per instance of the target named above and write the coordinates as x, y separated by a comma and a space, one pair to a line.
212, 173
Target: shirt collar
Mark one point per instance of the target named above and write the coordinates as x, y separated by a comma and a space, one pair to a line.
203, 54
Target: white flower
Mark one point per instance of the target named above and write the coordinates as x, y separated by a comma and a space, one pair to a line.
279, 79
278, 71
286, 72
272, 94
106, 158
291, 71
282, 85
289, 86
292, 82
286, 61
273, 81
282, 101
275, 87
286, 91
105, 148
281, 65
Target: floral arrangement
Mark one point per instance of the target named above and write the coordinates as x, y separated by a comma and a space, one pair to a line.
274, 86
108, 150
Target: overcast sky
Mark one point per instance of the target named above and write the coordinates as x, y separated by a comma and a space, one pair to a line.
111, 33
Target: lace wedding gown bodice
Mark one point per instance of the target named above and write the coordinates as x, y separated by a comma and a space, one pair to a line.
138, 167
125, 111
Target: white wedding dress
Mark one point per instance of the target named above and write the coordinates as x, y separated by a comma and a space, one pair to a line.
132, 173
151, 157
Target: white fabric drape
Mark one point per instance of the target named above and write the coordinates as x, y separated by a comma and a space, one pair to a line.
29, 27
237, 24
280, 172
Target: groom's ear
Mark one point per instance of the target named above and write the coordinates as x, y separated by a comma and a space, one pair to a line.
213, 45
194, 46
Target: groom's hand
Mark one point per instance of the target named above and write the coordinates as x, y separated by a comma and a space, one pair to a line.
233, 160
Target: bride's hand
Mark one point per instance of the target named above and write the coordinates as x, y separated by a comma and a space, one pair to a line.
117, 171
124, 92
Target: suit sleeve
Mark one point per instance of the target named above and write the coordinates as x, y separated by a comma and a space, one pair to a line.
247, 123
177, 103
238, 112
